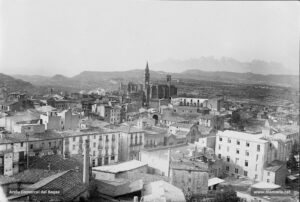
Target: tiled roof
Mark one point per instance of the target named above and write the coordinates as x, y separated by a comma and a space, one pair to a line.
173, 118
274, 166
182, 125
33, 175
68, 182
7, 180
105, 187
56, 162
121, 167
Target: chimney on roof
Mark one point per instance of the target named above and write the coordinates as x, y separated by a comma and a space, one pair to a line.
86, 163
169, 159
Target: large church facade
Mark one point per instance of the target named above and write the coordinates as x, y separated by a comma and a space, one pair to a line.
156, 91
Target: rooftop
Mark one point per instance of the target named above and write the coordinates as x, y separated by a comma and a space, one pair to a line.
109, 188
121, 167
274, 166
242, 136
161, 189
69, 182
182, 125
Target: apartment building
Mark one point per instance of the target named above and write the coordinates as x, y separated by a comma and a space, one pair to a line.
132, 141
103, 146
244, 154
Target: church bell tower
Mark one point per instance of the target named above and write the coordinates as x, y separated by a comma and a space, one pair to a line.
147, 85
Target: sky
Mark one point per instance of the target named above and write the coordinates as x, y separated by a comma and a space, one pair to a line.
48, 37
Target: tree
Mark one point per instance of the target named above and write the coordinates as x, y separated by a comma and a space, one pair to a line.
228, 194
292, 162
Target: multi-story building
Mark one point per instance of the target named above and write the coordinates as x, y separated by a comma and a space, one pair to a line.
193, 102
51, 120
132, 141
69, 121
246, 154
12, 155
15, 147
110, 114
104, 147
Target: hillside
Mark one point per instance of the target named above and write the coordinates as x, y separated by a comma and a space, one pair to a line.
12, 84
88, 80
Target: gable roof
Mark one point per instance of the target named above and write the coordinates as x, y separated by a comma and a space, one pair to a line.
121, 167
68, 182
109, 188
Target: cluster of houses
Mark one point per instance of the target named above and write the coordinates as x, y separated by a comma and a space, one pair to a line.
181, 146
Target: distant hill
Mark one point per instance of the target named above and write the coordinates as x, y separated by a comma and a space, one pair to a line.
88, 80
224, 64
12, 84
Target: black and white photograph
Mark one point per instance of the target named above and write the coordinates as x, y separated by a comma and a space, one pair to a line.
149, 101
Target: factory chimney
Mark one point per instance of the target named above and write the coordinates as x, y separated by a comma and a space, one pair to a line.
86, 162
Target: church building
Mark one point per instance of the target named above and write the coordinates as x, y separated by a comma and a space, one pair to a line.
156, 91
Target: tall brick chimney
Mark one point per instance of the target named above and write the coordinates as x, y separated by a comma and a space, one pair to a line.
86, 162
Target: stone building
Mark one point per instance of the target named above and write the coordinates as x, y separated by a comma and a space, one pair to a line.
155, 91
189, 177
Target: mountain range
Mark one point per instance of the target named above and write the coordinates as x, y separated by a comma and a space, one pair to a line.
89, 80
224, 64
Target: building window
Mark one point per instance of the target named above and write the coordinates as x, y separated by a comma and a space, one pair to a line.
49, 144
220, 139
219, 147
94, 144
227, 168
237, 151
258, 148
74, 139
236, 160
238, 142
247, 144
94, 136
228, 158
236, 170
247, 153
246, 163
229, 140
31, 146
21, 144
268, 180
219, 155
246, 173
100, 137
255, 176
256, 167
112, 158
256, 157
268, 173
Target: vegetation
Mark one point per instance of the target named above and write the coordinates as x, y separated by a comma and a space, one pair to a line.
228, 194
292, 162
